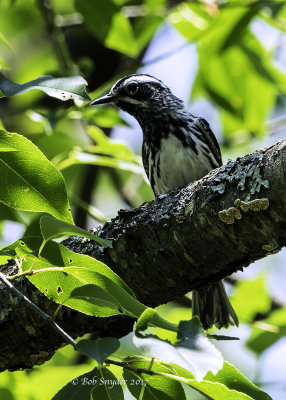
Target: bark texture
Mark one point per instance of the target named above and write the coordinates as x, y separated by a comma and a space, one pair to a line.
182, 240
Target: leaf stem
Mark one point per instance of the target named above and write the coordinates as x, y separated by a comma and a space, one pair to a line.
106, 389
20, 272
144, 381
148, 371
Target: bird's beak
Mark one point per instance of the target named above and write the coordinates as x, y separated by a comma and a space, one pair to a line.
108, 98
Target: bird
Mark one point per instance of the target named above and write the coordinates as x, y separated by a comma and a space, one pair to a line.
178, 148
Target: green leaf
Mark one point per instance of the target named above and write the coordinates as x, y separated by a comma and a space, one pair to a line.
27, 244
108, 386
111, 147
250, 297
268, 331
95, 295
235, 380
228, 384
58, 283
80, 157
109, 25
52, 228
217, 391
156, 387
240, 26
128, 304
195, 344
189, 19
146, 27
144, 319
30, 181
79, 387
99, 349
120, 36
59, 255
6, 393
105, 117
194, 352
97, 15
230, 79
11, 214
61, 88
221, 28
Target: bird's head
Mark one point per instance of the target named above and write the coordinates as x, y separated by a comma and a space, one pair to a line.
140, 94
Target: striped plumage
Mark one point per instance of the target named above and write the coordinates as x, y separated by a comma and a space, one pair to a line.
178, 148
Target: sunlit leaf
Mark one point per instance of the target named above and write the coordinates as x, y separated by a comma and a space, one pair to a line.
62, 271
144, 319
52, 228
235, 380
194, 353
240, 26
229, 80
228, 383
189, 19
156, 387
120, 36
249, 298
57, 283
221, 28
62, 88
111, 147
30, 181
57, 254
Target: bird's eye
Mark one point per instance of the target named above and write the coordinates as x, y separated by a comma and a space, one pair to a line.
132, 88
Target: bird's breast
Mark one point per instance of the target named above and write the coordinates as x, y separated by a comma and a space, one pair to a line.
174, 164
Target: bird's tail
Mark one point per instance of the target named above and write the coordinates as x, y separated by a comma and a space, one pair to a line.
213, 307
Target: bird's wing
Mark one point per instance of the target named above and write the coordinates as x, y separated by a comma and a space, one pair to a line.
210, 138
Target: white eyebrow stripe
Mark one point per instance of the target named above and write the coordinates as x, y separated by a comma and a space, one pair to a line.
140, 78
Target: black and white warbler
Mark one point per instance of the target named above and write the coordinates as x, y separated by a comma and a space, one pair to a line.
178, 148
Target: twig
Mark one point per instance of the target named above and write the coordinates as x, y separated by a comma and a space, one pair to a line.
56, 35
40, 312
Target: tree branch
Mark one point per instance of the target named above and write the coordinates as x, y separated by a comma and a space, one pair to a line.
199, 233
163, 249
